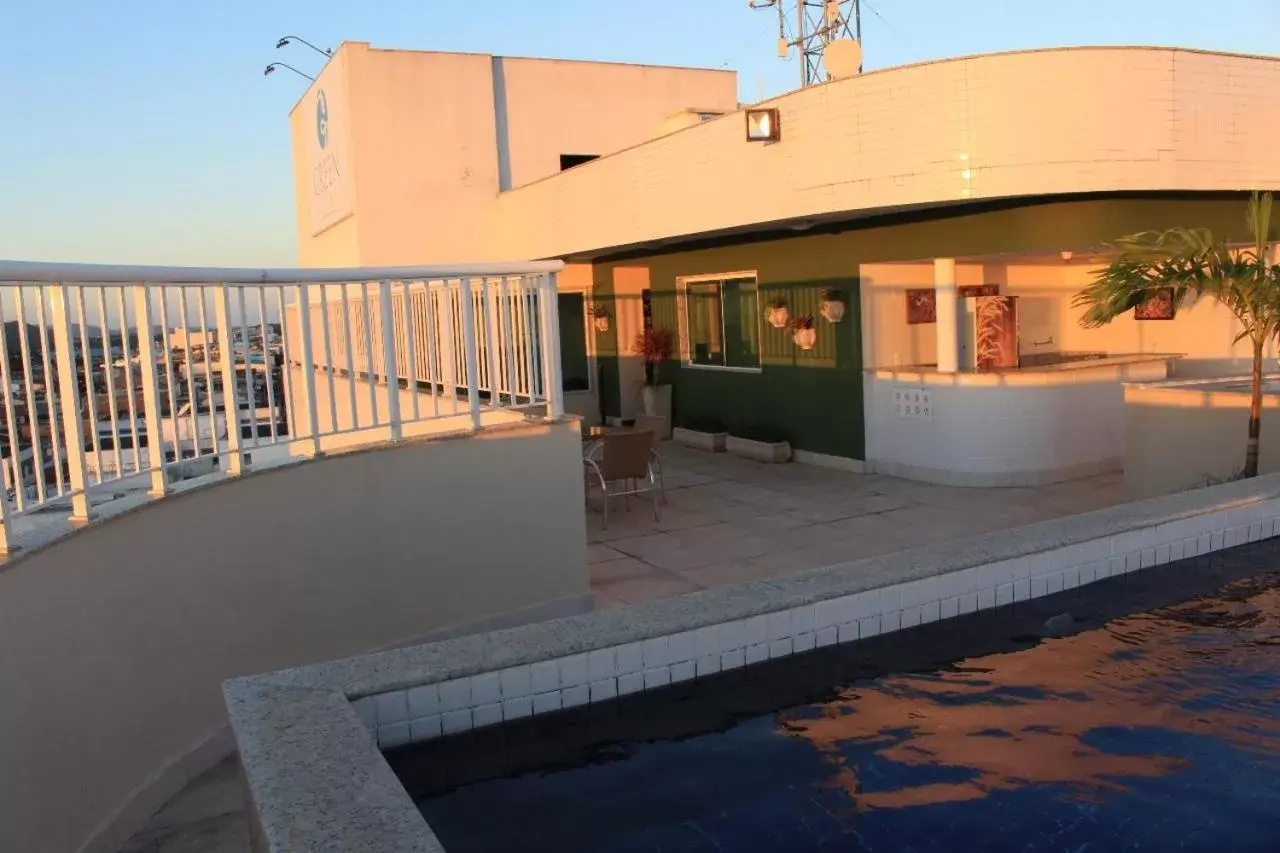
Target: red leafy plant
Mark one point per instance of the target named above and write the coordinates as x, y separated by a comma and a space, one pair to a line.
654, 346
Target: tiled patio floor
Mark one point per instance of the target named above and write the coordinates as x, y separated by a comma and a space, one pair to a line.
729, 520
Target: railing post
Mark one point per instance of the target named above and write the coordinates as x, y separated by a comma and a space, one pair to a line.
470, 351
12, 464
69, 403
390, 365
307, 357
550, 329
5, 547
150, 393
227, 364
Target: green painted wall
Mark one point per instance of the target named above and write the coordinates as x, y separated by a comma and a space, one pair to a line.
815, 398
607, 350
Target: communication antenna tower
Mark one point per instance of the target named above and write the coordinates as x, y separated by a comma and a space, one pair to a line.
828, 34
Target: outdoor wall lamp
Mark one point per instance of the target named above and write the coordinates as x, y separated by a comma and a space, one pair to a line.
763, 125
326, 52
266, 72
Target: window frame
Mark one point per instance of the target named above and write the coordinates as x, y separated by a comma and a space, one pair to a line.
682, 290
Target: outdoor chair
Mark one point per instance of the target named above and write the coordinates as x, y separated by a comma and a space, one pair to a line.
594, 442
621, 465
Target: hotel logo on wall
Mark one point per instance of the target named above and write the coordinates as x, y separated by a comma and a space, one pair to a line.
328, 166
322, 120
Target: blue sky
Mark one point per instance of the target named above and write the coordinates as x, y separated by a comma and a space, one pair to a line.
143, 131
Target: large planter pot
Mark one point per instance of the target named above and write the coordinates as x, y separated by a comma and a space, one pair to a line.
712, 441
661, 427
656, 400
760, 451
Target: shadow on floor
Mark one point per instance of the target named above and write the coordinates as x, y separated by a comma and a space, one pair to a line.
207, 816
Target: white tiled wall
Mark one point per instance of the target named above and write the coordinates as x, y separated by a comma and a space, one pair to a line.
1000, 433
432, 710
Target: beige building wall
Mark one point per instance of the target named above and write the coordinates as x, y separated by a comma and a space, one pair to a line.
339, 245
423, 132
114, 641
556, 106
984, 127
434, 137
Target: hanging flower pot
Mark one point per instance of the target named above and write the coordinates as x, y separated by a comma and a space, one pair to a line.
805, 335
832, 306
600, 317
777, 314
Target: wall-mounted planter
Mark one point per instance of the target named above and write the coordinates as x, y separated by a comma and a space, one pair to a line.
806, 338
601, 322
832, 310
712, 441
760, 451
778, 316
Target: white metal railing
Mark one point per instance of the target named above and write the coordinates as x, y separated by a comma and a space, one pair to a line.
119, 373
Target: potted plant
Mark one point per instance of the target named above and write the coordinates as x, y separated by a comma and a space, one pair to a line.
599, 316
702, 433
805, 334
832, 305
759, 442
776, 313
654, 347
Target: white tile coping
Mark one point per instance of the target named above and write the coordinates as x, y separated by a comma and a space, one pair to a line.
422, 692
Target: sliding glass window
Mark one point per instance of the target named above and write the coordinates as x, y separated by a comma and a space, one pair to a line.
721, 319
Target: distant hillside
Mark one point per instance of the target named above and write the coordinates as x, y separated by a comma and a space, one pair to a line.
13, 340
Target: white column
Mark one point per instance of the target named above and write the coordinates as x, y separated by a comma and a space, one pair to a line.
233, 459
944, 285
69, 403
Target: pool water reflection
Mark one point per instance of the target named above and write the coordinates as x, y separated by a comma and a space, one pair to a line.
1157, 731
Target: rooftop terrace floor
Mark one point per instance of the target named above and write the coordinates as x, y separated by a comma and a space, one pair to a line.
729, 520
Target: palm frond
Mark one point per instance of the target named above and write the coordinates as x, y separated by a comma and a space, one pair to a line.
1259, 218
1146, 264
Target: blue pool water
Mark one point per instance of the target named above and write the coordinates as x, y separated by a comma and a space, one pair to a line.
1157, 731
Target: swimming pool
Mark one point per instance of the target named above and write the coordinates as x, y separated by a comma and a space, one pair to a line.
1156, 731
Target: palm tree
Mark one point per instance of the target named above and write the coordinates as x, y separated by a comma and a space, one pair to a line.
1186, 264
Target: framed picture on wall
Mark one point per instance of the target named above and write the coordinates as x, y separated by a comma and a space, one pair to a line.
922, 307
1158, 307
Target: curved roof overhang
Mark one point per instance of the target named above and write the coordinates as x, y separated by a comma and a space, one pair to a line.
932, 137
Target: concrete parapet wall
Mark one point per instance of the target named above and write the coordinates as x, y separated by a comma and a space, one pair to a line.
114, 640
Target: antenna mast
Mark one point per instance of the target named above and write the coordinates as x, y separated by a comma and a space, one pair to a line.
815, 24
